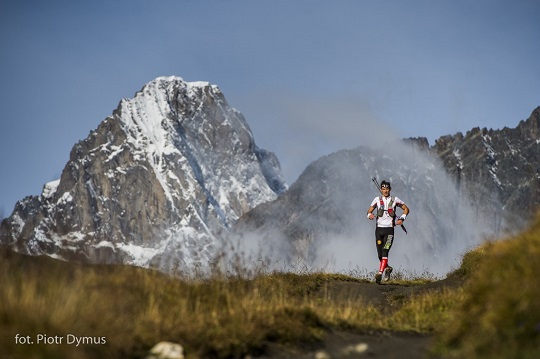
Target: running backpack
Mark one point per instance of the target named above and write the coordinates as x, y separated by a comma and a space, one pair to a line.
380, 210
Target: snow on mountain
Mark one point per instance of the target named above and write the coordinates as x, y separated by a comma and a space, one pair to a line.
156, 184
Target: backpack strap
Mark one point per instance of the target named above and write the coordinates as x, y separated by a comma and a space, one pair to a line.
380, 210
391, 211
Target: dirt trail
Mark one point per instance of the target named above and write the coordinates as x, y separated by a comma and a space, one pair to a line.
388, 345
343, 345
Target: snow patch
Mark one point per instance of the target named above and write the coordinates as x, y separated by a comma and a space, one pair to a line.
140, 255
457, 155
104, 244
492, 161
50, 188
66, 197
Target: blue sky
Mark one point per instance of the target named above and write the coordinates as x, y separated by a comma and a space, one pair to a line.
311, 77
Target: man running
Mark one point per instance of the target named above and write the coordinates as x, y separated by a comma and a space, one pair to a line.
386, 220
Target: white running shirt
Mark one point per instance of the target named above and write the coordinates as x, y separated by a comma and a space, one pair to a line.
386, 220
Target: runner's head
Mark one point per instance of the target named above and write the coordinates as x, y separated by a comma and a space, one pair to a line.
385, 188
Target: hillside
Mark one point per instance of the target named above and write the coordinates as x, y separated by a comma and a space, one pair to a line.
126, 310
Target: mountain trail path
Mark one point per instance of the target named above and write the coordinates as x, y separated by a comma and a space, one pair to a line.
387, 344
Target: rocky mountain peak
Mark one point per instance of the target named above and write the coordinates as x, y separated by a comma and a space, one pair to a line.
155, 184
498, 169
530, 128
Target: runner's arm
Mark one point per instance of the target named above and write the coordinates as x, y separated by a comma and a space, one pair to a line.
370, 212
405, 209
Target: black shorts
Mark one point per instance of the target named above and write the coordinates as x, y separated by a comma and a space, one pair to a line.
384, 237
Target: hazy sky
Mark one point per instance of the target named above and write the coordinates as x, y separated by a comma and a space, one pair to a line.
311, 77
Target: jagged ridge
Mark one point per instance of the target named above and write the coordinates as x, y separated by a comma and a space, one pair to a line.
503, 165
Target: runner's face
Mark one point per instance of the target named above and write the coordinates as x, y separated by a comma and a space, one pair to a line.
385, 191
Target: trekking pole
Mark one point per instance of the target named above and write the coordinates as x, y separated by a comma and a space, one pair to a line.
374, 179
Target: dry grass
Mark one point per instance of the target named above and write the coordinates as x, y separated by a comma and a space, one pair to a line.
133, 308
495, 314
427, 312
499, 315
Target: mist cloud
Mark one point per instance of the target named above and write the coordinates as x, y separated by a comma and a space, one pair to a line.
333, 233
443, 223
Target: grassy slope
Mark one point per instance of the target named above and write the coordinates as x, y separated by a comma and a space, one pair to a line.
494, 314
499, 316
135, 308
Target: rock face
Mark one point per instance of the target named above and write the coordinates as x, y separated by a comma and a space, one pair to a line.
497, 166
155, 184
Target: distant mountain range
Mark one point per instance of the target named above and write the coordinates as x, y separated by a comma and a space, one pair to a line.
174, 174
